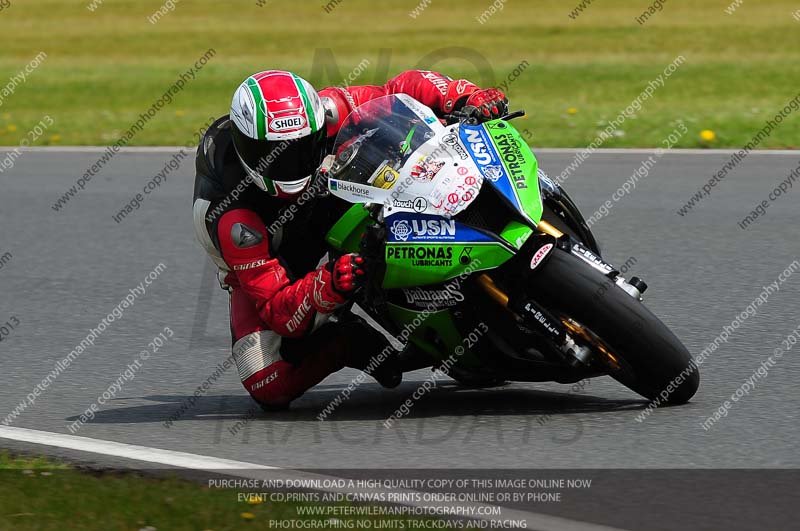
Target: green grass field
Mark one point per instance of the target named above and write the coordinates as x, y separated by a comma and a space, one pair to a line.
104, 68
37, 494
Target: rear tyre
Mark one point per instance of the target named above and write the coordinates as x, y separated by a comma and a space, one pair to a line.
652, 361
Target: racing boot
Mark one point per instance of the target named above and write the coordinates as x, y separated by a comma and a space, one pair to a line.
368, 350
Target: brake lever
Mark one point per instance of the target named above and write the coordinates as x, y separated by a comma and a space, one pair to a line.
516, 114
461, 117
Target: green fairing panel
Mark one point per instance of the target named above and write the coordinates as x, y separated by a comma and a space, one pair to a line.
521, 166
516, 234
418, 264
345, 235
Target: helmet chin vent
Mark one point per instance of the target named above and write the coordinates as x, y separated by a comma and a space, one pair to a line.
292, 187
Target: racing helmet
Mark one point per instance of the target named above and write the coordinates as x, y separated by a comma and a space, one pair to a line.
279, 131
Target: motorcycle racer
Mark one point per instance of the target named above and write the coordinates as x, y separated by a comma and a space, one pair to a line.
262, 220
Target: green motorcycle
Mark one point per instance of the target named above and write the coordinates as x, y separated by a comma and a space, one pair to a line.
486, 267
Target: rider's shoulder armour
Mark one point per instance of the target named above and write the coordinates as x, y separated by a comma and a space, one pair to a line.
210, 160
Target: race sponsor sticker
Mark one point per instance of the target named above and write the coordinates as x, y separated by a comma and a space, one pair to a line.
384, 177
444, 297
354, 190
418, 204
287, 123
423, 229
407, 227
540, 255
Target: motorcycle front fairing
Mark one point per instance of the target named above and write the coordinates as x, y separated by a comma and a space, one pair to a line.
454, 201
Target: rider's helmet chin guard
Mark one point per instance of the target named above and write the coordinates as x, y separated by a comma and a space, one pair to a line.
279, 131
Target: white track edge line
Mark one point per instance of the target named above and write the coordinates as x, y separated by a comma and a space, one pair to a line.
536, 521
127, 451
98, 149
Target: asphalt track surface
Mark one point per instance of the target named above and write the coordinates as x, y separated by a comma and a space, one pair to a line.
71, 268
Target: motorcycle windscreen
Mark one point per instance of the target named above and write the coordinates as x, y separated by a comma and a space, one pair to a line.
393, 150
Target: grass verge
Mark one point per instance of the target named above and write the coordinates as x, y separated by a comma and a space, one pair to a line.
43, 495
108, 64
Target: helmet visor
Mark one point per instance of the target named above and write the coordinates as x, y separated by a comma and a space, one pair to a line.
280, 160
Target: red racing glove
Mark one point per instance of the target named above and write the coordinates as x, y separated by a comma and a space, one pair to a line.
487, 104
348, 273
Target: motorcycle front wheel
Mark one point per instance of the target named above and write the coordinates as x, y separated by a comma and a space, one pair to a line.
637, 349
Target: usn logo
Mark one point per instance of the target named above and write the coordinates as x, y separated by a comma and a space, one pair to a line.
423, 229
493, 172
478, 147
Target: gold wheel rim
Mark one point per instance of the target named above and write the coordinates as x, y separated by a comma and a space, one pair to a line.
576, 329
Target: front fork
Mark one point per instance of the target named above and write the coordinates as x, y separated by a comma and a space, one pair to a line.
536, 317
635, 288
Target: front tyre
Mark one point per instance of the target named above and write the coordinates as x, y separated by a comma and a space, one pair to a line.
651, 360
